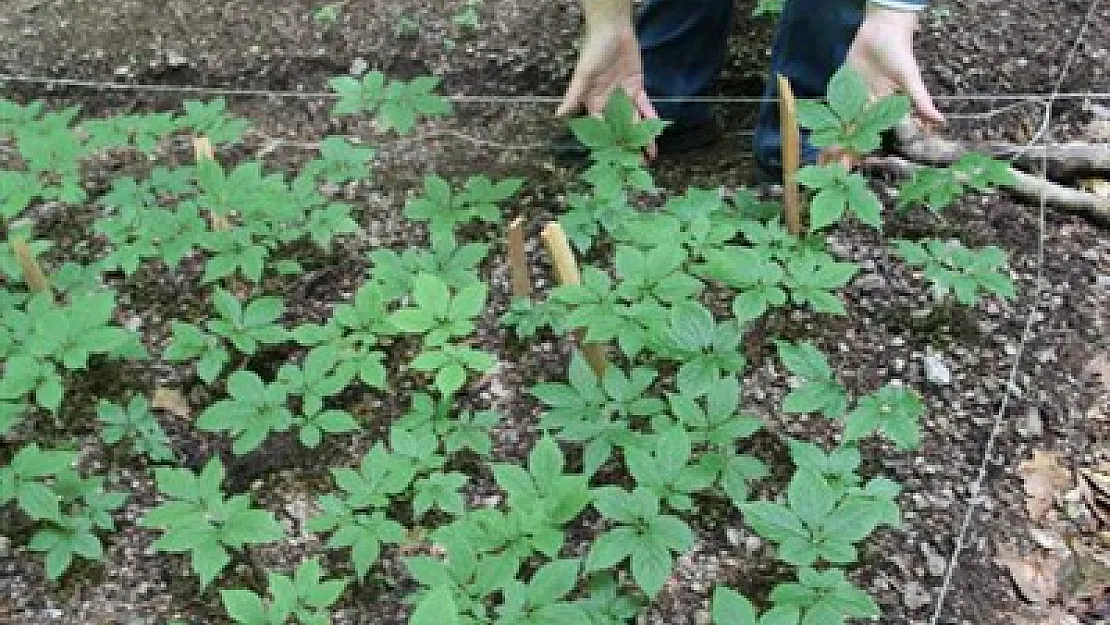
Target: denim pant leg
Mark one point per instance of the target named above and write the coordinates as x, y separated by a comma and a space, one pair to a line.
811, 43
683, 43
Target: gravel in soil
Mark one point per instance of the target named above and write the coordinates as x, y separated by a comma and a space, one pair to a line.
524, 48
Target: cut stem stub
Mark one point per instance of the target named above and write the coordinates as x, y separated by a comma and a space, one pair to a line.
566, 270
202, 149
518, 260
791, 156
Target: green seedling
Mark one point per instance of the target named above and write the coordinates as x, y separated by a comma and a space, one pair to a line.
445, 209
819, 522
643, 535
819, 391
396, 104
201, 520
306, 598
598, 412
135, 425
967, 274
357, 520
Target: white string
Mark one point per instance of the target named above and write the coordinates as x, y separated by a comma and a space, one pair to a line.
1044, 136
494, 99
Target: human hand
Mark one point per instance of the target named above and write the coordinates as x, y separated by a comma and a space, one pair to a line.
610, 59
883, 54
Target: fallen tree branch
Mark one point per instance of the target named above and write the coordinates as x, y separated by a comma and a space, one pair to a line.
1065, 162
1026, 186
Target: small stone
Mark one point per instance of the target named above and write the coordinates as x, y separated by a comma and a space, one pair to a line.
753, 543
936, 371
1049, 540
1033, 427
1103, 282
935, 564
1046, 356
5, 546
176, 59
733, 536
359, 66
871, 282
915, 596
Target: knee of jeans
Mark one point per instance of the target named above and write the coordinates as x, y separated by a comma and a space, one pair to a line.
767, 149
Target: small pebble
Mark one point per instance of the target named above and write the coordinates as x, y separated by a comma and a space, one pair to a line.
1033, 427
936, 371
915, 596
935, 564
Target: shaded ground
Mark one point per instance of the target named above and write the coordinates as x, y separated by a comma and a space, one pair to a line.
521, 48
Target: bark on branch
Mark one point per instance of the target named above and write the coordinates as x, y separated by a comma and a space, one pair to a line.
1027, 187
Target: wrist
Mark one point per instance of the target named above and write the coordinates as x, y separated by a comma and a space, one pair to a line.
902, 6
886, 22
612, 16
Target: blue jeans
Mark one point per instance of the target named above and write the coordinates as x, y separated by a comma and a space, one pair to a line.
684, 43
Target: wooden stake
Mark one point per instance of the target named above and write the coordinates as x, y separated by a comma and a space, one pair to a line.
791, 156
518, 261
202, 149
33, 274
566, 270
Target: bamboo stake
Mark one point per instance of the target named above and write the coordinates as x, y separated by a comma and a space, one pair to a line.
202, 149
566, 270
791, 156
518, 260
33, 274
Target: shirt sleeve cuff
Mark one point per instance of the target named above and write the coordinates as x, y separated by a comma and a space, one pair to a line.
900, 5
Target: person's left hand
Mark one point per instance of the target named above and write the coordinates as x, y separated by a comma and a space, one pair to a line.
882, 53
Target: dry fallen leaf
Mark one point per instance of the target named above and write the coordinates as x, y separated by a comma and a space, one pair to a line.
1043, 477
1036, 576
172, 401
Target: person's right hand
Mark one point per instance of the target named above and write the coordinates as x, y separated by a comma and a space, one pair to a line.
610, 59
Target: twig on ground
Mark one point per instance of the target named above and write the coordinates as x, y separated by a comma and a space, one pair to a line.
1026, 186
1065, 162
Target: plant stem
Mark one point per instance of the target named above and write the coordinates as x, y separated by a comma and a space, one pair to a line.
566, 269
791, 156
202, 149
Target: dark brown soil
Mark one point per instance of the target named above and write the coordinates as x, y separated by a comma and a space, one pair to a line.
522, 48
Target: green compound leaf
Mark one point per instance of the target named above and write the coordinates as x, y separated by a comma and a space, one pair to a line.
397, 105
892, 410
436, 608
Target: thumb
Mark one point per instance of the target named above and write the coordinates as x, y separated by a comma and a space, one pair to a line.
572, 101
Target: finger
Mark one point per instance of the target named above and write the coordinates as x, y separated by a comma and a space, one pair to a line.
597, 101
923, 104
647, 111
572, 101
